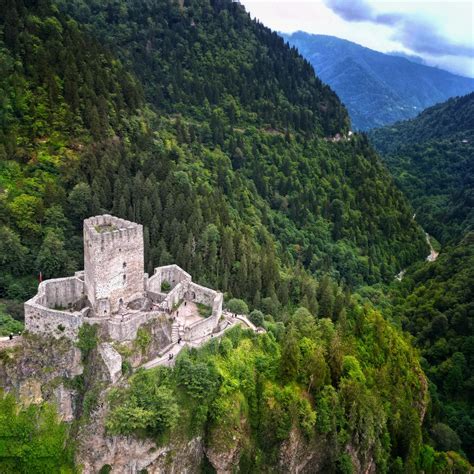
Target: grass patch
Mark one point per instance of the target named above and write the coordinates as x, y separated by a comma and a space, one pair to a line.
204, 310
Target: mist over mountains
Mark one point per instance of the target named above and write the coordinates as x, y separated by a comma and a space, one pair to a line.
377, 88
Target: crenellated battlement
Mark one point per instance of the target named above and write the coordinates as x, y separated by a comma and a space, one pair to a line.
107, 229
113, 262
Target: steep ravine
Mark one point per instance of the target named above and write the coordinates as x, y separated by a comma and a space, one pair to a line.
42, 369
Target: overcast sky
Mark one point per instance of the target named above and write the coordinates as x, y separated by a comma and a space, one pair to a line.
441, 32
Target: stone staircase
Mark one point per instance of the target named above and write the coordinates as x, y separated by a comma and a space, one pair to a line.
175, 332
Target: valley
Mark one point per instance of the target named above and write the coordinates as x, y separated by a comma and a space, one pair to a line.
200, 254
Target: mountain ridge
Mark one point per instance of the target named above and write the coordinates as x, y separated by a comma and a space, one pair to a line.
408, 86
225, 162
431, 158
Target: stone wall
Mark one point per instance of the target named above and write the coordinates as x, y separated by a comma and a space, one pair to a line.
156, 297
40, 320
126, 330
60, 293
40, 315
203, 295
176, 295
199, 329
170, 273
113, 262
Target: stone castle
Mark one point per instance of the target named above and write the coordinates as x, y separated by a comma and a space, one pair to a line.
114, 292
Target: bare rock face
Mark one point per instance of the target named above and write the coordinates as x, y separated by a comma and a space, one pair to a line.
366, 466
30, 391
225, 444
65, 402
112, 360
37, 369
125, 454
297, 455
223, 461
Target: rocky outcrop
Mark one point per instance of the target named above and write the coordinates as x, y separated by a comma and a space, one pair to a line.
112, 360
126, 454
39, 369
298, 455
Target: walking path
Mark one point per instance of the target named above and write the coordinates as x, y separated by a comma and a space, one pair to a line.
176, 348
433, 253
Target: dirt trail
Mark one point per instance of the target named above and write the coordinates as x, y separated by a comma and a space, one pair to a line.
430, 258
433, 253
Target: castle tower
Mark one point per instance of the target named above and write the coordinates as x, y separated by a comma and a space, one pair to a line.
113, 263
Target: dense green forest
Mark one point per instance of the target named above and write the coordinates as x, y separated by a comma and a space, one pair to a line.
431, 158
337, 382
435, 302
203, 126
214, 184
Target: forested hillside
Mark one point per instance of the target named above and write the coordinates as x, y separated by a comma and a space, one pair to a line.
434, 302
199, 123
432, 159
213, 184
209, 61
377, 88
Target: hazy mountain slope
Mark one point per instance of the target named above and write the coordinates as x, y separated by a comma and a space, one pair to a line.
136, 109
377, 88
432, 159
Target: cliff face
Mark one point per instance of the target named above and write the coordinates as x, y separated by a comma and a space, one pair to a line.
130, 454
80, 385
39, 369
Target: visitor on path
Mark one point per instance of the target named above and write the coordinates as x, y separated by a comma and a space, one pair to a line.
11, 336
179, 340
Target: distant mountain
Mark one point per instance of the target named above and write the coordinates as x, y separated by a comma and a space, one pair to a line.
432, 159
378, 89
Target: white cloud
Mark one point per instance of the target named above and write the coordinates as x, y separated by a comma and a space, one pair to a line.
439, 31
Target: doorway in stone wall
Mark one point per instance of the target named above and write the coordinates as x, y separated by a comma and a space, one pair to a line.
190, 295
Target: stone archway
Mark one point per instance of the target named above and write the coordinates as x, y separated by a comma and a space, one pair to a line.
190, 295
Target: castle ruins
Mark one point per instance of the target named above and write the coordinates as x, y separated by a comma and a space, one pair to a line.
114, 292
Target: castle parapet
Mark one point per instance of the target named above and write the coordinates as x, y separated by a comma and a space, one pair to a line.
113, 263
57, 309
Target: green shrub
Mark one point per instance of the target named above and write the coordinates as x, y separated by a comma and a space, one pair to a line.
237, 306
204, 310
9, 325
143, 339
256, 317
32, 439
165, 286
87, 339
126, 367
